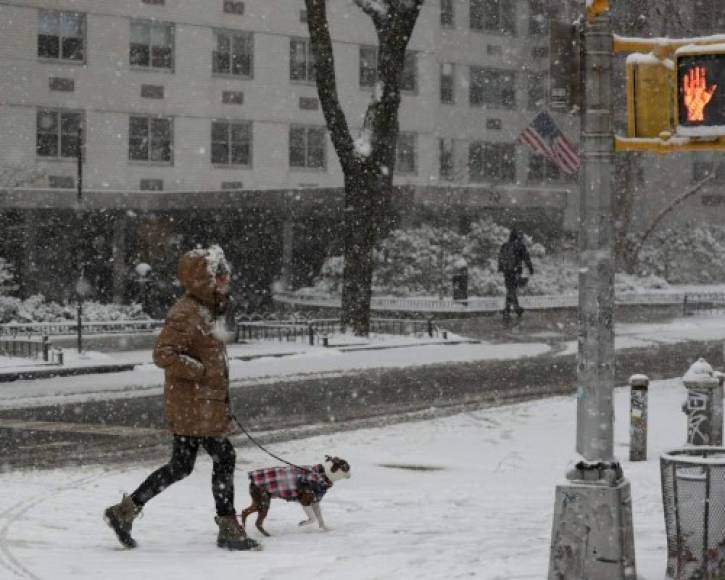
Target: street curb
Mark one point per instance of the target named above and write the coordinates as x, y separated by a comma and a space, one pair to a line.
300, 408
33, 374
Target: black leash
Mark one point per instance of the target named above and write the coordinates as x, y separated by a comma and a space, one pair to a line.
267, 451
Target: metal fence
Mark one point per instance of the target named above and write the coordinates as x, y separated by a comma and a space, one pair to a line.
29, 329
319, 330
21, 348
485, 304
696, 302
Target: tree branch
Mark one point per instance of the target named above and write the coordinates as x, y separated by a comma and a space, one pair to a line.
327, 82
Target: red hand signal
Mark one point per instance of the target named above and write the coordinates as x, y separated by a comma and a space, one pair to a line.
697, 95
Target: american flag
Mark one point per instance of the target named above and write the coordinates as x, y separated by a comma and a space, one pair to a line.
545, 138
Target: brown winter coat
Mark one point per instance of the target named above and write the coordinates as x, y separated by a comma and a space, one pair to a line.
196, 389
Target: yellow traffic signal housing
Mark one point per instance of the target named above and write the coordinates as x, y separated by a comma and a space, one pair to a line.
650, 93
596, 7
700, 92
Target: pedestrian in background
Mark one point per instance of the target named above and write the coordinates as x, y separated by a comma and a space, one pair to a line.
191, 350
511, 259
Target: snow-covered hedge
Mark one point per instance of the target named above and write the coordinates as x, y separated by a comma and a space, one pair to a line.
687, 255
422, 262
36, 309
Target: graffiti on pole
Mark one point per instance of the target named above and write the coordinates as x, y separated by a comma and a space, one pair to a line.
698, 420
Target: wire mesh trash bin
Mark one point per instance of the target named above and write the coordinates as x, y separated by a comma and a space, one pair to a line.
693, 492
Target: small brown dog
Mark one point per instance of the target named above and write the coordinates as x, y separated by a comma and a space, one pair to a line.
306, 485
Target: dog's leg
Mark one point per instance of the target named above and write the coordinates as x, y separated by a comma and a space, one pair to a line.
318, 514
256, 496
263, 510
310, 516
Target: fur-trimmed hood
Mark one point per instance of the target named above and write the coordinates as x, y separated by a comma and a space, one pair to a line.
196, 273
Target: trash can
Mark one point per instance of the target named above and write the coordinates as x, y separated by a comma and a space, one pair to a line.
693, 492
460, 280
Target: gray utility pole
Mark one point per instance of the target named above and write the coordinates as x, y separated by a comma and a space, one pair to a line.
592, 535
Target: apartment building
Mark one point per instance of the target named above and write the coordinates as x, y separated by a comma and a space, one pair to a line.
186, 103
182, 95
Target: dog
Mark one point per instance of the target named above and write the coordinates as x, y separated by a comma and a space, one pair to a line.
305, 484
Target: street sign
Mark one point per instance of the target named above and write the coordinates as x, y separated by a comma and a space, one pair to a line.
565, 88
700, 91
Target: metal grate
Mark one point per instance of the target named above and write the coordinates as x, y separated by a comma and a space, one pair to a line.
693, 492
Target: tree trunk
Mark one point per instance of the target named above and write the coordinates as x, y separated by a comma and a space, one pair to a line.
362, 202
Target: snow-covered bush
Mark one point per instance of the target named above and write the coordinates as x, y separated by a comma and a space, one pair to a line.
422, 262
36, 309
686, 255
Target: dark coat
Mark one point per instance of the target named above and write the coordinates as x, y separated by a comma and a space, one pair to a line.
513, 255
196, 387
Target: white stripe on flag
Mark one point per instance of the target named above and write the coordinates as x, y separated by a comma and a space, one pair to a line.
536, 143
567, 158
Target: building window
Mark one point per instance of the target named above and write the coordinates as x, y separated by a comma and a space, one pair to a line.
231, 7
307, 147
448, 86
301, 60
493, 16
234, 54
61, 35
231, 143
709, 16
369, 69
446, 159
151, 185
542, 169
405, 153
448, 15
494, 88
494, 162
538, 22
59, 133
536, 90
634, 16
150, 139
152, 45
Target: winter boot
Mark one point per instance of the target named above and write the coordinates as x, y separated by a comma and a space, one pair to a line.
120, 518
232, 536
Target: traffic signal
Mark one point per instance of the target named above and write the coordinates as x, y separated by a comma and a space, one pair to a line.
649, 96
700, 91
596, 7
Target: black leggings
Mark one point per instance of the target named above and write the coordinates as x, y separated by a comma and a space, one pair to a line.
181, 464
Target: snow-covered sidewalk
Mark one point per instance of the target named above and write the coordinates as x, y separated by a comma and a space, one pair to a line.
262, 361
482, 509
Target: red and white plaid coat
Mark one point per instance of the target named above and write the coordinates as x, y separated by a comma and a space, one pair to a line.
286, 482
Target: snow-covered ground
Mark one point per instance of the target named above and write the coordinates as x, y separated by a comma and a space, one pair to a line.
483, 509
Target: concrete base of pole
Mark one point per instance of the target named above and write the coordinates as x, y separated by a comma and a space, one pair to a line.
592, 536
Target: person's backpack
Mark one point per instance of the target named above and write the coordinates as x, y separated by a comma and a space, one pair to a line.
507, 258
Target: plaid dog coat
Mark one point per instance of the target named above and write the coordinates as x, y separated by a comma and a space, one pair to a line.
287, 482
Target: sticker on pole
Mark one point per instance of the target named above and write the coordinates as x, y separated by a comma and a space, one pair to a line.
701, 91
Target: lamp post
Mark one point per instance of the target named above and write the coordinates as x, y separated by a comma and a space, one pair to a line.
592, 535
83, 289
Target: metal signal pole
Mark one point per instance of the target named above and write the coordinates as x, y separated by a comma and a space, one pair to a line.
592, 535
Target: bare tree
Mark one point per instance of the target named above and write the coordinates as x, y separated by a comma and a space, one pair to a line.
367, 161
